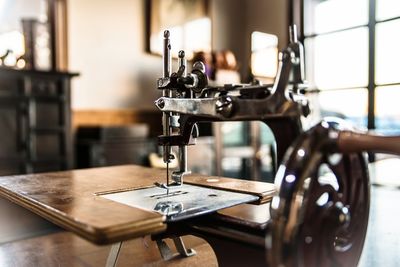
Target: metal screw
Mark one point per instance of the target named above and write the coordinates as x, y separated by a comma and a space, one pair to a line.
198, 65
224, 106
166, 33
160, 103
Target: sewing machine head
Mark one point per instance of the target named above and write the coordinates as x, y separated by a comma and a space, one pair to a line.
187, 99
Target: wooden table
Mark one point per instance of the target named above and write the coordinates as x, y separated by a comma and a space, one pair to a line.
64, 249
71, 199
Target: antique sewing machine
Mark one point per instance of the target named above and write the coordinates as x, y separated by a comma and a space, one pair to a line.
322, 204
306, 205
187, 99
316, 214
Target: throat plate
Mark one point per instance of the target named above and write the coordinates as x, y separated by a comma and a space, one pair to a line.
182, 202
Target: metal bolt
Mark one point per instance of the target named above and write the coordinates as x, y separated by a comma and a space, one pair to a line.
224, 106
166, 33
160, 103
198, 65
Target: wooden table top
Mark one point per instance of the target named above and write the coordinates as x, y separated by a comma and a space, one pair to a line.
71, 199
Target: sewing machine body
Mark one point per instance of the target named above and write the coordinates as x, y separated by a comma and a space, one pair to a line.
291, 237
187, 99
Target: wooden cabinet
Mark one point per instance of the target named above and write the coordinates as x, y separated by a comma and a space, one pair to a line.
35, 121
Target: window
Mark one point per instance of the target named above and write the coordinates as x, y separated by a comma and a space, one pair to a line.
264, 54
351, 47
185, 37
185, 19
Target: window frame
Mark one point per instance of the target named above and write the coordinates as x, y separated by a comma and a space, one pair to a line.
296, 16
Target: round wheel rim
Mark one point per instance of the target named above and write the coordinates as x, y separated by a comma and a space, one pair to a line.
320, 216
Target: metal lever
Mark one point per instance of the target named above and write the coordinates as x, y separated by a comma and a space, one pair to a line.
297, 50
350, 142
167, 93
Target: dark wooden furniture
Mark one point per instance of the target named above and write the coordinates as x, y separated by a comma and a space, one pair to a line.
98, 146
35, 119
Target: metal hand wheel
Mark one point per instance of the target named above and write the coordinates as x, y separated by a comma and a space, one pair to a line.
320, 214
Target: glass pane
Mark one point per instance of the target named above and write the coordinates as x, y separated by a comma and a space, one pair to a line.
11, 32
264, 54
349, 104
12, 11
195, 41
234, 133
386, 9
338, 60
185, 20
309, 53
387, 56
325, 16
387, 110
267, 137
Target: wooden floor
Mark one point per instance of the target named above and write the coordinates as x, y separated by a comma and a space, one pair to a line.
65, 249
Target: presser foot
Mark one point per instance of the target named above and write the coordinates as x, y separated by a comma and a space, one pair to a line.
166, 252
177, 176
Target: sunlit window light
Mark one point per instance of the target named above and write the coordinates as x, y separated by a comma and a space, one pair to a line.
186, 38
350, 104
327, 12
386, 109
193, 41
386, 57
339, 60
2, 4
13, 41
386, 9
264, 54
337, 57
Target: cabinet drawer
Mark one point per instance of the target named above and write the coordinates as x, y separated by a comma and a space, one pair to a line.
48, 146
46, 87
47, 114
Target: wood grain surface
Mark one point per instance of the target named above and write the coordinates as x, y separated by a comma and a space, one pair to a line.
264, 191
64, 249
70, 199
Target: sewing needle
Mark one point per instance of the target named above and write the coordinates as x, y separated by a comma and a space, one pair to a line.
168, 177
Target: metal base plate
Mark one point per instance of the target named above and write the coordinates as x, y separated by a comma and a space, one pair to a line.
181, 202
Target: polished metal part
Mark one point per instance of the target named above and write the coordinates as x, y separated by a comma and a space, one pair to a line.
187, 99
167, 55
166, 252
224, 106
293, 34
181, 202
321, 207
297, 76
166, 117
181, 248
182, 62
232, 107
193, 106
113, 255
177, 176
184, 86
174, 121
